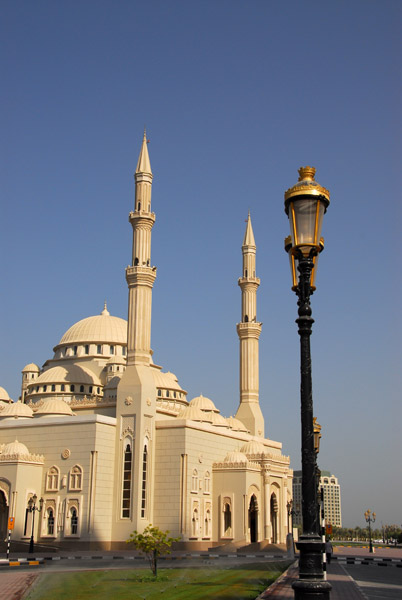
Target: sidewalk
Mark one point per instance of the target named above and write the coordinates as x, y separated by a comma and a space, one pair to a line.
343, 586
14, 584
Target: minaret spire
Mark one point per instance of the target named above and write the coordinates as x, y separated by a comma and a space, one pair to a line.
249, 411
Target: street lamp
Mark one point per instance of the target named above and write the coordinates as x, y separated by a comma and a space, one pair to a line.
370, 518
305, 204
32, 508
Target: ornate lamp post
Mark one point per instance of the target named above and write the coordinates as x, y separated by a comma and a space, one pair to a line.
32, 508
305, 204
370, 518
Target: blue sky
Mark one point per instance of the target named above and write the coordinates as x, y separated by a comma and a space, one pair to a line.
236, 96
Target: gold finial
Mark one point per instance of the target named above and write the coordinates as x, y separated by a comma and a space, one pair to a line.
306, 173
306, 185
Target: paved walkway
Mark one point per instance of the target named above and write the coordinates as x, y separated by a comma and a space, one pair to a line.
14, 584
343, 586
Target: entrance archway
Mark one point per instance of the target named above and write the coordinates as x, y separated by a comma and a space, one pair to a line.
274, 519
3, 516
253, 519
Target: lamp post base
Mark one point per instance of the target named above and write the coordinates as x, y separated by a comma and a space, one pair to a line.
311, 584
311, 589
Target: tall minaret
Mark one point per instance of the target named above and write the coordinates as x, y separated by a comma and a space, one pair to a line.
136, 391
249, 411
141, 276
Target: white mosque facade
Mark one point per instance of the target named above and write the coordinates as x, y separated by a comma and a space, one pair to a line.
110, 443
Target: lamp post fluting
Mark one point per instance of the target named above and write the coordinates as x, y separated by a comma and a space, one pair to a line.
370, 518
32, 509
305, 204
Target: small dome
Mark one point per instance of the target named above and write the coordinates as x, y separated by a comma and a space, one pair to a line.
117, 360
253, 447
54, 406
99, 328
69, 374
235, 457
203, 403
31, 368
15, 448
166, 380
218, 420
192, 413
16, 409
113, 383
4, 395
236, 424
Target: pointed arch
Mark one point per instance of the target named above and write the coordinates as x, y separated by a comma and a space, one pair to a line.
127, 477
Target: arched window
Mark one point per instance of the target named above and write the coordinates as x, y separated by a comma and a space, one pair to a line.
167, 393
207, 483
159, 393
87, 349
90, 389
111, 349
246, 318
75, 350
99, 349
124, 350
245, 273
72, 388
139, 206
81, 388
136, 262
194, 523
62, 387
50, 521
52, 479
127, 470
207, 523
44, 388
194, 481
76, 478
53, 388
74, 521
144, 481
227, 519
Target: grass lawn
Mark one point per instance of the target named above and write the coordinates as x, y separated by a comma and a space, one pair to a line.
175, 584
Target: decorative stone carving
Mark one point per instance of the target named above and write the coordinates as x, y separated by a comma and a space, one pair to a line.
66, 453
128, 401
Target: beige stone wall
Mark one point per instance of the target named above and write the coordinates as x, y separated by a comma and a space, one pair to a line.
66, 442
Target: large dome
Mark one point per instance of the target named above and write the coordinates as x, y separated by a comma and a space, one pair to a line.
101, 328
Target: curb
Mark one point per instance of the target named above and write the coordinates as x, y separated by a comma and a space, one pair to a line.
272, 588
22, 562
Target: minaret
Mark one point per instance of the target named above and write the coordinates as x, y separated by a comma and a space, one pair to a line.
141, 276
249, 411
136, 391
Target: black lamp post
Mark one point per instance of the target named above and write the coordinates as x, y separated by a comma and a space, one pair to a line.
305, 204
32, 508
370, 518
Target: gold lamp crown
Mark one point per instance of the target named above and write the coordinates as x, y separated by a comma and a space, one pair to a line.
306, 185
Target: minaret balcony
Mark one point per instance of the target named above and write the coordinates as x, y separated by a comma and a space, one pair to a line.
140, 275
254, 281
142, 214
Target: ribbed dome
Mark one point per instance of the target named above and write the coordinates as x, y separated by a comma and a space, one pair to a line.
203, 403
166, 380
236, 425
54, 406
31, 368
15, 449
101, 328
16, 409
235, 457
71, 374
192, 413
117, 360
253, 447
218, 420
4, 395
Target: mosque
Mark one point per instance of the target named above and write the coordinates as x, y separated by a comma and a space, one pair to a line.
105, 442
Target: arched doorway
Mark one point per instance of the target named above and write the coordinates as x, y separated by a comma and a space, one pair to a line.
3, 516
253, 519
274, 519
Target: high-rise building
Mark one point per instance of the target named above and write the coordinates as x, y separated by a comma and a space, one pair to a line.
332, 498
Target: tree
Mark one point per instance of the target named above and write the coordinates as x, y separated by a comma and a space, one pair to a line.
153, 543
